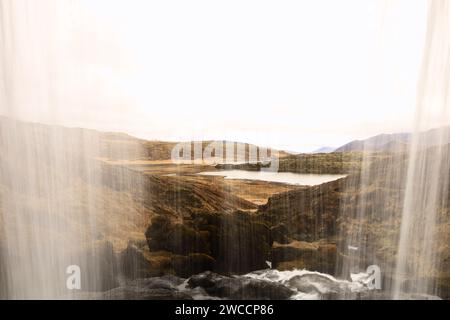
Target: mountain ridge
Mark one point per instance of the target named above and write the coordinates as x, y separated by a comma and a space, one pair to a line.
397, 141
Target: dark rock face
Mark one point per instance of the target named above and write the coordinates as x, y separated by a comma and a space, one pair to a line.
311, 212
241, 244
304, 227
231, 242
239, 288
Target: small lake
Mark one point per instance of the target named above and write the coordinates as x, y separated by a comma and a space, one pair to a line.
280, 177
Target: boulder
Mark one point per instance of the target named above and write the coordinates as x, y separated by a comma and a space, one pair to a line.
315, 283
239, 287
168, 282
207, 280
155, 288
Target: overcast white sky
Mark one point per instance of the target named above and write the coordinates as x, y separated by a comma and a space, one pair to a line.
295, 75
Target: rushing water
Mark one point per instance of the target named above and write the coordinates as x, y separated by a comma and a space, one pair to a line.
305, 285
280, 177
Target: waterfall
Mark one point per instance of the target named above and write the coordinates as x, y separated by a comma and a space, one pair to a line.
65, 204
55, 208
40, 237
426, 192
392, 207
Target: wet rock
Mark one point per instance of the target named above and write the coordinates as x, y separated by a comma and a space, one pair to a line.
138, 293
239, 287
206, 280
168, 282
155, 288
315, 283
262, 290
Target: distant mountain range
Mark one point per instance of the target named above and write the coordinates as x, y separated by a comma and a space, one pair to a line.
324, 150
114, 145
397, 141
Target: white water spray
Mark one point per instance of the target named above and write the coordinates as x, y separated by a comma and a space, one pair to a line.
427, 181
